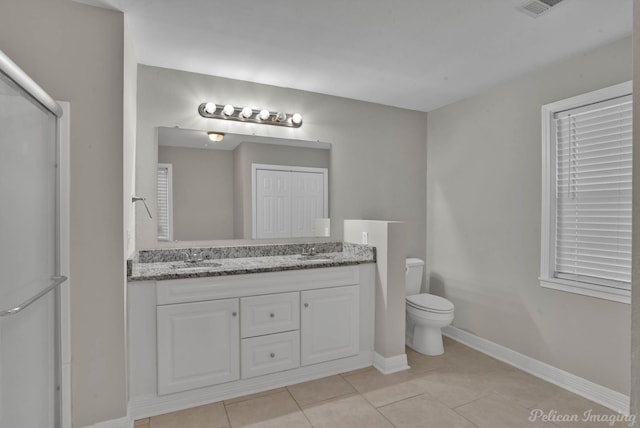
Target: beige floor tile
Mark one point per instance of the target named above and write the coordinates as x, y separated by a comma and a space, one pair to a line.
141, 423
278, 410
457, 356
455, 388
346, 412
496, 411
423, 411
526, 389
209, 416
320, 390
356, 371
571, 410
256, 395
381, 389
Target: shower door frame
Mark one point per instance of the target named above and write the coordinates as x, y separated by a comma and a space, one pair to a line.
62, 111
64, 291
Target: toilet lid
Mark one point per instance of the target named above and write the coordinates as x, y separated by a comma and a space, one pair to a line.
429, 302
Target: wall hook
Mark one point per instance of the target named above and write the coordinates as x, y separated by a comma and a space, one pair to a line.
144, 201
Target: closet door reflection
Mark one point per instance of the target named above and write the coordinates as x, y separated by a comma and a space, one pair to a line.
28, 261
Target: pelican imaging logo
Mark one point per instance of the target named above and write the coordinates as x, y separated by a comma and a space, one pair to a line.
587, 416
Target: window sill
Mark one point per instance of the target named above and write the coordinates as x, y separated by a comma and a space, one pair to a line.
600, 292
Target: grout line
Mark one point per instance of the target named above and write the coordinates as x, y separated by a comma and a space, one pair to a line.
393, 402
226, 413
387, 419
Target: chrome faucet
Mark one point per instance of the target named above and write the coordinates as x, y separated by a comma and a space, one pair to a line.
311, 252
192, 257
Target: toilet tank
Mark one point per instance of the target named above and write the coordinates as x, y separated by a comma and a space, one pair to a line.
413, 276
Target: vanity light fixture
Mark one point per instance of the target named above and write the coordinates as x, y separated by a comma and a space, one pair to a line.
211, 110
216, 137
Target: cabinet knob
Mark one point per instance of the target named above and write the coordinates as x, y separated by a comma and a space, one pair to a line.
272, 315
306, 305
273, 355
234, 314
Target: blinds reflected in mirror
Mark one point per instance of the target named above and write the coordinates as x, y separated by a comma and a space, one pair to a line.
164, 202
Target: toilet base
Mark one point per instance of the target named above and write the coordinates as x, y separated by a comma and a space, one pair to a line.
427, 340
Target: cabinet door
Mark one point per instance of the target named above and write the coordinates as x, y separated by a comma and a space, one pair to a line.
198, 345
329, 324
307, 202
273, 204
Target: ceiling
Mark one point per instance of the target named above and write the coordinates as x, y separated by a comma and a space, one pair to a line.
416, 54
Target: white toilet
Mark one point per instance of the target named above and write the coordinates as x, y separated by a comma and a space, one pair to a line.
426, 313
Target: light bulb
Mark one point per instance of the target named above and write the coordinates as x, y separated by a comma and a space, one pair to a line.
215, 136
246, 112
228, 110
264, 114
210, 107
281, 117
296, 118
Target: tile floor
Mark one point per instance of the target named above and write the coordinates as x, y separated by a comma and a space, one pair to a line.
461, 389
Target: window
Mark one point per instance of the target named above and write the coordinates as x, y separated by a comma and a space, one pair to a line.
586, 194
165, 202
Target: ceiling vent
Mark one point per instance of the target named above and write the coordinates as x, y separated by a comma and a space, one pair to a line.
535, 8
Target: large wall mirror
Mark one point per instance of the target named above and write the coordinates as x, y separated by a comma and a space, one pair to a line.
207, 190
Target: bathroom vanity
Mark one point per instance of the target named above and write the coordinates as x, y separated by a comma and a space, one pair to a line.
225, 326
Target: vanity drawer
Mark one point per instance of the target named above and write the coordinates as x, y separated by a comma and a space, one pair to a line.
269, 354
272, 313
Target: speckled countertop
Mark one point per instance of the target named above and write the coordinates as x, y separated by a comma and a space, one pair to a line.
171, 265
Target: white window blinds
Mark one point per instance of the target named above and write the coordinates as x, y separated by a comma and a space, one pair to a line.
164, 200
593, 193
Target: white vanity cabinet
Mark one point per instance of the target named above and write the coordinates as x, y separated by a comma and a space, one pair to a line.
198, 344
202, 340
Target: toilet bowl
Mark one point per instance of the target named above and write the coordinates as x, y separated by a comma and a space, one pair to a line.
426, 313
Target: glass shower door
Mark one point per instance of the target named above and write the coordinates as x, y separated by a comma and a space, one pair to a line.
29, 362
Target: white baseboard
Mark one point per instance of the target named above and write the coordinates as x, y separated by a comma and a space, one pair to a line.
114, 423
602, 395
390, 365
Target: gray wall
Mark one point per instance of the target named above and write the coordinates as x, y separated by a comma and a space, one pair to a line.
75, 52
483, 223
202, 192
378, 153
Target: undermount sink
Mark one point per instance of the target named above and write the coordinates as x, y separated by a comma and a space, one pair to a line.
315, 257
200, 263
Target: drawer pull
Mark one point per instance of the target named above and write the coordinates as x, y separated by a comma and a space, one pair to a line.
234, 314
272, 315
273, 355
306, 305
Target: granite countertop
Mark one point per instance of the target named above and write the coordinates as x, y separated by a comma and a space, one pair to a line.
285, 258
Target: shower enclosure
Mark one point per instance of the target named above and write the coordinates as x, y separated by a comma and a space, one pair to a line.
30, 355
